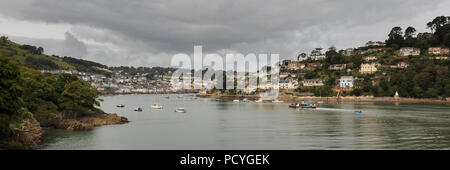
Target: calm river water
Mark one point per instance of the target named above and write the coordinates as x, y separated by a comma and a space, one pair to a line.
209, 124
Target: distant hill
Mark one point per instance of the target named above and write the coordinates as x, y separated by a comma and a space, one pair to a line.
34, 57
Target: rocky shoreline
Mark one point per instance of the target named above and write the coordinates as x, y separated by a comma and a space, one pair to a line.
31, 133
87, 123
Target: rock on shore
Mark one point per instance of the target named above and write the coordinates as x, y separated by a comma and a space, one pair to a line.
29, 134
26, 136
87, 123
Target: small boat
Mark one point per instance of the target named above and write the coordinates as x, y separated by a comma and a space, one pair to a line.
294, 105
156, 106
139, 109
121, 105
180, 110
245, 101
236, 101
218, 100
303, 105
358, 112
259, 101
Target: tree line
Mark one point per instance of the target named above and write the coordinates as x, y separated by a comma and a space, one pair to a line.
27, 92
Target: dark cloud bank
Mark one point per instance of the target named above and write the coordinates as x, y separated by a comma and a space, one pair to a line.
149, 32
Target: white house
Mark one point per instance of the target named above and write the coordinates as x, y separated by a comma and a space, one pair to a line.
288, 84
313, 82
302, 57
346, 81
409, 51
317, 54
370, 58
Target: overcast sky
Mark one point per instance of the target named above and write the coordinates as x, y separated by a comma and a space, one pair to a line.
150, 32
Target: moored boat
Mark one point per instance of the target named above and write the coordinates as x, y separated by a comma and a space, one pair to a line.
180, 110
304, 105
139, 109
156, 106
120, 105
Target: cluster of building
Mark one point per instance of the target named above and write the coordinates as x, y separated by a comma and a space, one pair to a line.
316, 54
289, 80
122, 83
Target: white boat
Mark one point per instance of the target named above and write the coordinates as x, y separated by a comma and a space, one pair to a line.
156, 106
139, 109
259, 101
180, 110
236, 101
245, 101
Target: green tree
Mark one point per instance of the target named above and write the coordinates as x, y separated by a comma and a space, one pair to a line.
409, 32
10, 94
395, 37
438, 22
77, 98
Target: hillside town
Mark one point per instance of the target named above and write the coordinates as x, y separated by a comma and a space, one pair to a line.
295, 75
294, 71
122, 83
375, 69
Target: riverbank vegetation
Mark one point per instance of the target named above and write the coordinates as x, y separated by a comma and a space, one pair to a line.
27, 95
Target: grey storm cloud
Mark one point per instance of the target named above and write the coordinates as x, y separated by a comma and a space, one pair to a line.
70, 46
73, 47
150, 31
